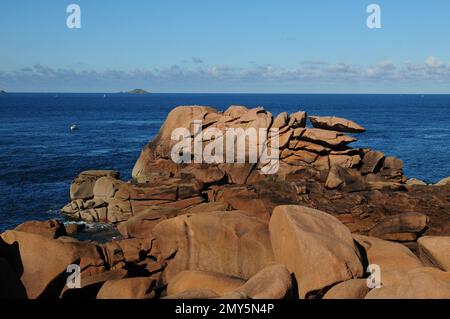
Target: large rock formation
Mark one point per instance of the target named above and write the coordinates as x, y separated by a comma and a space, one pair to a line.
322, 152
321, 147
308, 227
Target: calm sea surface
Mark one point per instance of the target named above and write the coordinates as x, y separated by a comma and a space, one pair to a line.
39, 156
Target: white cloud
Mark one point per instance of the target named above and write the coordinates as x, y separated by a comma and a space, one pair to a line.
432, 62
203, 75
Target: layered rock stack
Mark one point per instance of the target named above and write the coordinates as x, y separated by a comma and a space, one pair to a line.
225, 230
322, 147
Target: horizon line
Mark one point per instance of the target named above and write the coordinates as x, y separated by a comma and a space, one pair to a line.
216, 93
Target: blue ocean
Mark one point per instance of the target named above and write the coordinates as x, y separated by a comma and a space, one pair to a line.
39, 156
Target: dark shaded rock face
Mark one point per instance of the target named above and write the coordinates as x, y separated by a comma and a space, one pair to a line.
227, 230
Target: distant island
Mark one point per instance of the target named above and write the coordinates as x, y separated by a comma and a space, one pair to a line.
137, 91
2, 92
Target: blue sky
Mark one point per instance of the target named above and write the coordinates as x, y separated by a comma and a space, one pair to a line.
286, 46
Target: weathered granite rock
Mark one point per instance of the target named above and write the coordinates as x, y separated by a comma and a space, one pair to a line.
392, 169
415, 182
90, 285
281, 120
402, 227
82, 186
349, 289
209, 207
419, 283
372, 162
184, 117
116, 201
142, 224
241, 197
192, 279
350, 180
435, 251
42, 262
303, 238
327, 138
106, 187
298, 119
128, 288
336, 124
388, 255
225, 242
443, 182
51, 228
272, 282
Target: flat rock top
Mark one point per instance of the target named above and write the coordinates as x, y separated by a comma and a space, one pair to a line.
336, 123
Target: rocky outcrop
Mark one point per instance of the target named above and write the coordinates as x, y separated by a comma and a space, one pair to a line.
159, 181
82, 186
323, 146
226, 230
114, 201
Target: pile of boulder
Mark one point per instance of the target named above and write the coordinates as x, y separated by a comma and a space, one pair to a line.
225, 230
299, 253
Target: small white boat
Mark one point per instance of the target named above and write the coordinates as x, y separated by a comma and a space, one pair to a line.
73, 128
